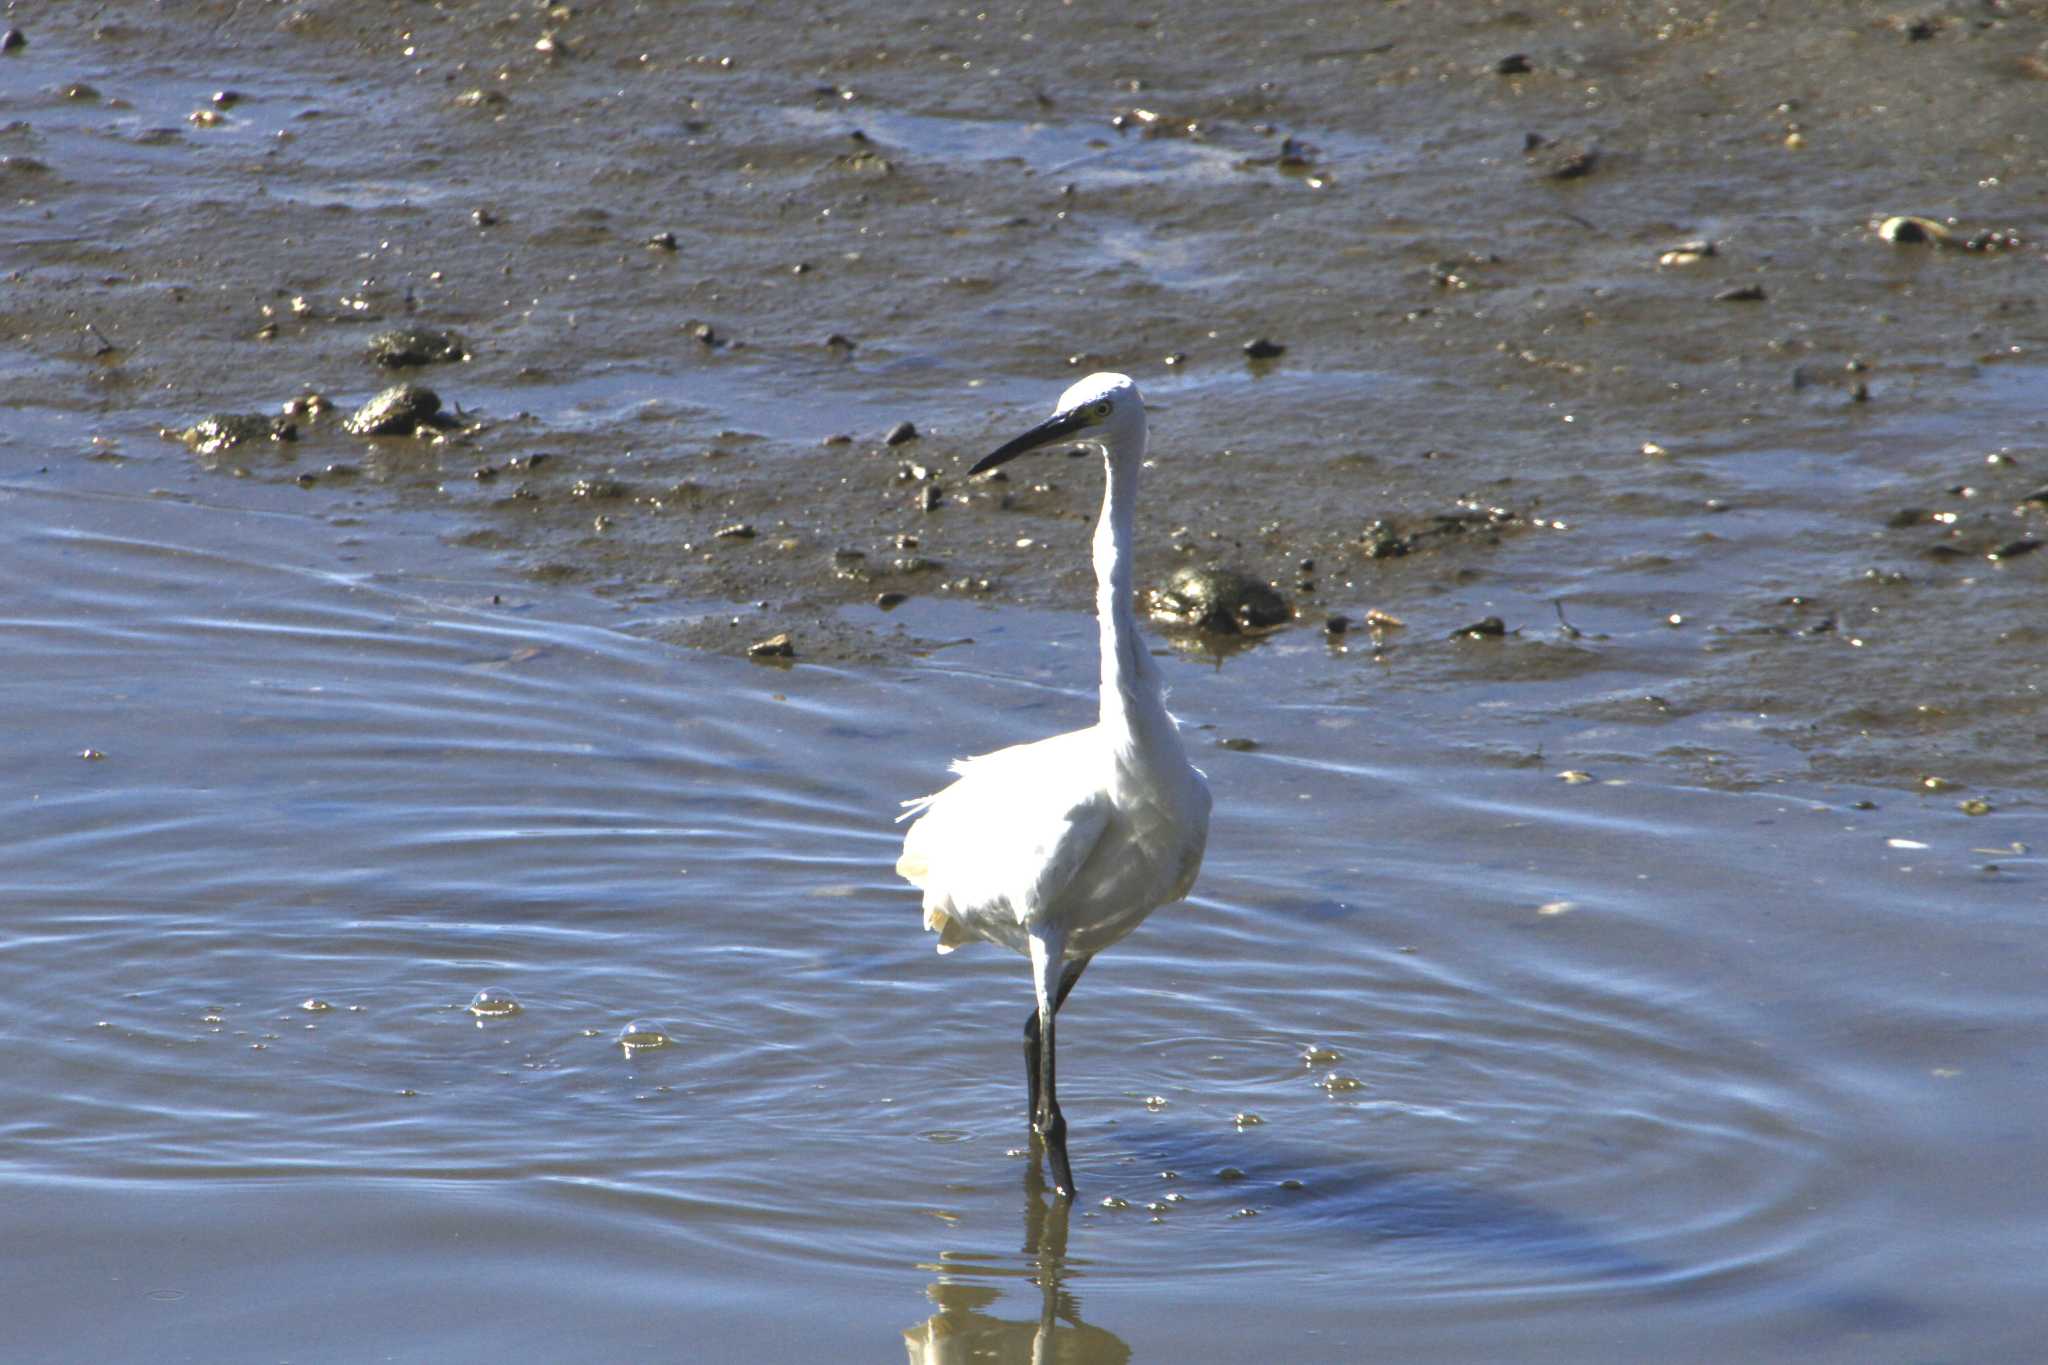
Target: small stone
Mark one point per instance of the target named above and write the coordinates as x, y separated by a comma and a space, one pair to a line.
1336, 625
738, 530
14, 40
1514, 64
1260, 348
1976, 805
1574, 777
662, 241
1486, 628
901, 433
1688, 253
1910, 230
889, 601
91, 755
1742, 293
774, 647
226, 99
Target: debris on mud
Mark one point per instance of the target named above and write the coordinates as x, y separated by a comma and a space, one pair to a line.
224, 431
407, 346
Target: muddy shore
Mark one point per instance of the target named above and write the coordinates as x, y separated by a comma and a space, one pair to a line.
704, 268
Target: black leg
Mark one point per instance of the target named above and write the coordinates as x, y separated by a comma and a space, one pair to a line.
1052, 1124
1068, 976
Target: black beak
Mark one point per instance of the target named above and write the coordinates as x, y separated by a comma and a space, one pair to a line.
1045, 433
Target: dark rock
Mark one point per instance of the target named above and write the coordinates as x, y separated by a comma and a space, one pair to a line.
739, 530
662, 241
1259, 348
900, 433
14, 40
400, 410
1742, 293
774, 647
1514, 64
2013, 549
889, 601
1222, 600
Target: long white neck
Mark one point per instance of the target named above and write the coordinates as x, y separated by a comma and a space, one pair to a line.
1131, 704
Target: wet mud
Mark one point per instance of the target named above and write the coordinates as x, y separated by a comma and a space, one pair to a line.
1701, 350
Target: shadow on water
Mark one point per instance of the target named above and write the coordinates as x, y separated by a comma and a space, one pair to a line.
1364, 1203
962, 1330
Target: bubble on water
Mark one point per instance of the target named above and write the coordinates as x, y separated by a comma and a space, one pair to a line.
1155, 1207
490, 1003
314, 1005
1246, 1120
1290, 1183
1315, 1054
1111, 1201
642, 1035
1229, 1173
1340, 1085
1175, 1198
1155, 1102
1245, 1213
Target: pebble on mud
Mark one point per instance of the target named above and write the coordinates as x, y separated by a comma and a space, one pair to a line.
739, 530
774, 647
14, 40
1486, 628
224, 431
1260, 348
1514, 64
900, 433
405, 346
1908, 230
1223, 601
1742, 293
1688, 253
400, 410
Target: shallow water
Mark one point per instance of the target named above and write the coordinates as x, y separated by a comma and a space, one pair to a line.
1727, 1051
1638, 1061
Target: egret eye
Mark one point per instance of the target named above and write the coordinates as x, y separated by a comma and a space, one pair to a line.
1102, 408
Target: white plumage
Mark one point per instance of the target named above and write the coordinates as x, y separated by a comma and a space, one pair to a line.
1059, 848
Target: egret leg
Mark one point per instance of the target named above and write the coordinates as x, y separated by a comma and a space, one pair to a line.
1068, 976
1047, 964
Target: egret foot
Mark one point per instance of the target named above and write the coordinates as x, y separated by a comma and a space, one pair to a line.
1055, 1139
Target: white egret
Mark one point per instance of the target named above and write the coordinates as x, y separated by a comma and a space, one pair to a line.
1060, 847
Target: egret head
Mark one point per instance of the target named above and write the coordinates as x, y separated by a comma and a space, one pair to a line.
1102, 410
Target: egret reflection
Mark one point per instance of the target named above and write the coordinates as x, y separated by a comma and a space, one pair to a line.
965, 1329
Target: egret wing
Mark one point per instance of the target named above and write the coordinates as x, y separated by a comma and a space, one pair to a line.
1001, 845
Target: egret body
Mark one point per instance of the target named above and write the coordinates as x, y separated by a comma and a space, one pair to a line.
1060, 847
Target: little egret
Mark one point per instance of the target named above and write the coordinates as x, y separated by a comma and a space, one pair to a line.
1060, 847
